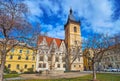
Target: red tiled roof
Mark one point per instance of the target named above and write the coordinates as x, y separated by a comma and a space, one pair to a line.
49, 40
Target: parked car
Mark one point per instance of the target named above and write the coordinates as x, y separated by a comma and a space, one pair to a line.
114, 70
111, 70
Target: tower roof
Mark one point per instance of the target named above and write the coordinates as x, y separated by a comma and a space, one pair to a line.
70, 16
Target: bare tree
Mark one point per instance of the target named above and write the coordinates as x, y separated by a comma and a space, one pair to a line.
94, 49
73, 53
116, 43
14, 28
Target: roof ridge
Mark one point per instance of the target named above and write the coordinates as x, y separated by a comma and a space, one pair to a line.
49, 40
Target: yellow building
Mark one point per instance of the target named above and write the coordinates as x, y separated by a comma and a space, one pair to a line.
21, 58
86, 62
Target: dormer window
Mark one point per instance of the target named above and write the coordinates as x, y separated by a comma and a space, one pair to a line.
75, 29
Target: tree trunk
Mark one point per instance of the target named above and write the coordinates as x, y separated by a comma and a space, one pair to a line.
2, 66
94, 72
69, 67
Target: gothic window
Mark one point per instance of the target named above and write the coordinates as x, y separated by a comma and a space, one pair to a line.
75, 29
44, 65
64, 65
63, 59
40, 65
58, 65
49, 58
41, 58
57, 59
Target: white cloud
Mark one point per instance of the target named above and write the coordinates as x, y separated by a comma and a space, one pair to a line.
57, 32
98, 13
34, 7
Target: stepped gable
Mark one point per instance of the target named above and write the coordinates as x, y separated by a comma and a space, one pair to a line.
49, 40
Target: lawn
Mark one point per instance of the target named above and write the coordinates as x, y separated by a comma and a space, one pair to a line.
101, 77
11, 75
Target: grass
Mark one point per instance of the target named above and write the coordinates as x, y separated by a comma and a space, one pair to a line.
11, 75
100, 77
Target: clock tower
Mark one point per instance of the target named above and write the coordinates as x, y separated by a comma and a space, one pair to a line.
73, 42
72, 31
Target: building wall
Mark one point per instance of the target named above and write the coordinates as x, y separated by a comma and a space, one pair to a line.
73, 39
87, 62
111, 59
71, 36
14, 63
47, 59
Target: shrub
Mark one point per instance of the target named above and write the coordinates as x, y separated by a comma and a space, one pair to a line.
29, 71
7, 70
13, 72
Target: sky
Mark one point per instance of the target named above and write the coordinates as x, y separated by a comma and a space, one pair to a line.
96, 16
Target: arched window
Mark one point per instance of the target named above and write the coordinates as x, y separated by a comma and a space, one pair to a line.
75, 29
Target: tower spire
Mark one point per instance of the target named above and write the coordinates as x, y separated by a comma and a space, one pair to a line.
70, 16
70, 10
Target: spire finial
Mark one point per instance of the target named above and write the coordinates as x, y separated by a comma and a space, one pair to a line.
70, 10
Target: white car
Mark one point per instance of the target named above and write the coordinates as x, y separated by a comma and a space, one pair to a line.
110, 70
114, 70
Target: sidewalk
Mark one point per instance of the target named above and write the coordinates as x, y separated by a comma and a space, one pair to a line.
49, 76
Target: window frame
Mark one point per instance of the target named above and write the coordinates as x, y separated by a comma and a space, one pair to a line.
75, 29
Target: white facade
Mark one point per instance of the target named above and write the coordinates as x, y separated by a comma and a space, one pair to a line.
48, 60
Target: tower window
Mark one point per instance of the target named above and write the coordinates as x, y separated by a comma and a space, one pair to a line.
75, 29
75, 42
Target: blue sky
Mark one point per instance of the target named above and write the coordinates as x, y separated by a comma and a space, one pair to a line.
96, 16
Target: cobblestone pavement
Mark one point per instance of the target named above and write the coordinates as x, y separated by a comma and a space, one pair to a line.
55, 75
